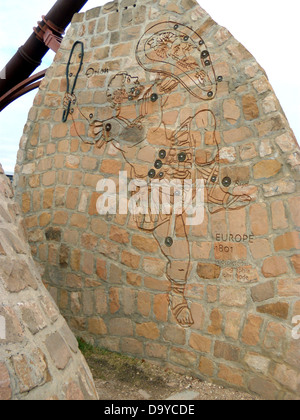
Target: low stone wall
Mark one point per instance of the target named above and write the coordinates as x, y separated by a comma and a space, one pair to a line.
39, 355
158, 90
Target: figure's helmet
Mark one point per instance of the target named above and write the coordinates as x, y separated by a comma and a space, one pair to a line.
175, 50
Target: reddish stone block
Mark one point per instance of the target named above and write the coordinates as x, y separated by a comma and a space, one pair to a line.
251, 333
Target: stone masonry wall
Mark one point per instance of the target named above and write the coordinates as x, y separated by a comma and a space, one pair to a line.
160, 91
39, 355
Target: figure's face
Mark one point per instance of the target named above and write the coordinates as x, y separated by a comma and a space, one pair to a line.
123, 88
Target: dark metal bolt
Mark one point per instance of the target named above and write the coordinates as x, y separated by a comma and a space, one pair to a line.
226, 182
182, 157
158, 164
154, 97
108, 127
213, 179
162, 154
204, 54
169, 242
151, 173
220, 78
210, 94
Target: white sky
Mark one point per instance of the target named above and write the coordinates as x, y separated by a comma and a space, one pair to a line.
269, 29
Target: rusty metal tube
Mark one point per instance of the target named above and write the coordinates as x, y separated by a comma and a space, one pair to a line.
29, 57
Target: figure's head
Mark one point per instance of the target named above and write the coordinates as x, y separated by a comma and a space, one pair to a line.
123, 88
175, 50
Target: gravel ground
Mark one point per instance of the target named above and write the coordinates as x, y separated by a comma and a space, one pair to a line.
119, 377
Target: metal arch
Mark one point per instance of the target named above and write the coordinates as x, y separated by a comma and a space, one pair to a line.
21, 89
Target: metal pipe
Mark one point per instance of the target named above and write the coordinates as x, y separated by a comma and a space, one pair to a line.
30, 55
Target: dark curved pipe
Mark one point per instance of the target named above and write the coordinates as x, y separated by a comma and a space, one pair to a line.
29, 57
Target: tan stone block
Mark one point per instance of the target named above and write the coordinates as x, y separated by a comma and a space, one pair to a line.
212, 293
271, 125
287, 242
148, 330
274, 267
119, 235
58, 350
264, 388
294, 205
278, 310
251, 333
87, 263
231, 375
260, 248
121, 327
5, 385
216, 325
101, 305
146, 244
231, 111
287, 377
223, 350
59, 218
206, 366
284, 186
237, 135
33, 317
75, 260
296, 263
132, 346
109, 249
174, 334
233, 325
289, 287
160, 307
237, 222
230, 296
154, 266
183, 357
114, 300
78, 220
156, 350
259, 219
59, 131
199, 315
72, 198
279, 219
228, 251
263, 291
248, 151
26, 202
130, 260
266, 169
97, 326
208, 271
144, 303
247, 274
250, 108
200, 343
99, 227
110, 166
133, 279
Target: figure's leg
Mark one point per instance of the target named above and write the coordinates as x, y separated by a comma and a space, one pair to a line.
174, 244
219, 197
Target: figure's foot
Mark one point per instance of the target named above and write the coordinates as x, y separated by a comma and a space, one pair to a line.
180, 310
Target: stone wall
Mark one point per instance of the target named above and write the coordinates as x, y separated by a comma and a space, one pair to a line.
158, 90
39, 355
